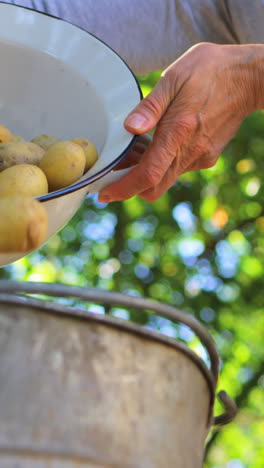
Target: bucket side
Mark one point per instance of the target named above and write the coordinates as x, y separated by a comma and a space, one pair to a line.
77, 390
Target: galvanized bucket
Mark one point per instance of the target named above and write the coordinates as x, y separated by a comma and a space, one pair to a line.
80, 389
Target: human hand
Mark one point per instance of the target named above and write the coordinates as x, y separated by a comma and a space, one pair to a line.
197, 107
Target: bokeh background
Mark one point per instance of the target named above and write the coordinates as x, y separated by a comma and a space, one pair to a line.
200, 247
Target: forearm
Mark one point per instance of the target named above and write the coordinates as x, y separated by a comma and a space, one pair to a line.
244, 65
255, 62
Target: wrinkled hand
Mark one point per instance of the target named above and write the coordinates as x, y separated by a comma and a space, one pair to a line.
196, 107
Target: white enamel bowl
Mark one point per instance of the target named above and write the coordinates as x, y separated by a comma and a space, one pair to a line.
58, 79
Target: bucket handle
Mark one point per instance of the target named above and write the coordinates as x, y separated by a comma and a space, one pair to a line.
230, 409
106, 297
113, 298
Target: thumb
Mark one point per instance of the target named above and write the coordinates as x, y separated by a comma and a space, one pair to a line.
145, 116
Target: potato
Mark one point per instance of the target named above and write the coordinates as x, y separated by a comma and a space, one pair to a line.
90, 151
24, 224
63, 164
45, 141
13, 153
5, 134
25, 179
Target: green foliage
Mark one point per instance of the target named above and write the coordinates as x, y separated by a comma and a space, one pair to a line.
200, 248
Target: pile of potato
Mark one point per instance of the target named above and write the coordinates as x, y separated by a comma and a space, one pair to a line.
29, 170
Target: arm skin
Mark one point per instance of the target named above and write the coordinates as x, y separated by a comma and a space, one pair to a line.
197, 107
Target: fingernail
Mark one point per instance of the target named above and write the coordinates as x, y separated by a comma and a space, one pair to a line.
136, 121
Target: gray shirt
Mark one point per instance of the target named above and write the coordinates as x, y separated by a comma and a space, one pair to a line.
151, 34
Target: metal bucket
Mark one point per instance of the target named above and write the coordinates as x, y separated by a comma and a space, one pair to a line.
79, 389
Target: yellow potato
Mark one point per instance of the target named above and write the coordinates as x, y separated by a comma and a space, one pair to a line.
90, 151
63, 164
5, 134
14, 153
45, 141
24, 179
24, 224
